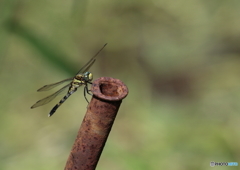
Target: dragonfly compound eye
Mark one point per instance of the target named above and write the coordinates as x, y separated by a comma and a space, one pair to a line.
88, 76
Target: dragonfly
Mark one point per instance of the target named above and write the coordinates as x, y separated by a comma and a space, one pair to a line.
83, 77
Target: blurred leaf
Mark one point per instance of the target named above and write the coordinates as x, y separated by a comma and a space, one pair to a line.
49, 52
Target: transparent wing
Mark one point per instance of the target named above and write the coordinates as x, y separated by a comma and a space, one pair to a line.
90, 62
88, 67
51, 86
49, 98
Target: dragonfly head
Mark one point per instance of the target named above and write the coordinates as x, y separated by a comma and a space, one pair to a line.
88, 76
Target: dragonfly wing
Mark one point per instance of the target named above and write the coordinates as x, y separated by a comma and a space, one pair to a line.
49, 98
88, 67
51, 86
90, 62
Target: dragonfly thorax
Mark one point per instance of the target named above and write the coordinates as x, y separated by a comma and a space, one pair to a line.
83, 78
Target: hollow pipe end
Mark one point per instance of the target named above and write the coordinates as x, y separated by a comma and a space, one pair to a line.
110, 89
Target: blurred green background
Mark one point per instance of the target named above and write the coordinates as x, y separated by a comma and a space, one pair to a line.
179, 59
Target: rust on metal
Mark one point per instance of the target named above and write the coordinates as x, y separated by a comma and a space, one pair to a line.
97, 123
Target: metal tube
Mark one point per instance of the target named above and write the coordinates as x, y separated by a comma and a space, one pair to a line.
97, 123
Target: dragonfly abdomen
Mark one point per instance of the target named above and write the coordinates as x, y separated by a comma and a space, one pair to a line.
60, 103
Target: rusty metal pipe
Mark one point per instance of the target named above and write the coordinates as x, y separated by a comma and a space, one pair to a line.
97, 123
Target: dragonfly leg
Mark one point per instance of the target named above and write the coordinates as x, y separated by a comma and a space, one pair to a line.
87, 90
84, 92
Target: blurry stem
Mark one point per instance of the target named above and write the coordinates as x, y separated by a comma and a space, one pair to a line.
50, 52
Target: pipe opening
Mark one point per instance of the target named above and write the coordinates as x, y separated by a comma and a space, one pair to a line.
109, 89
